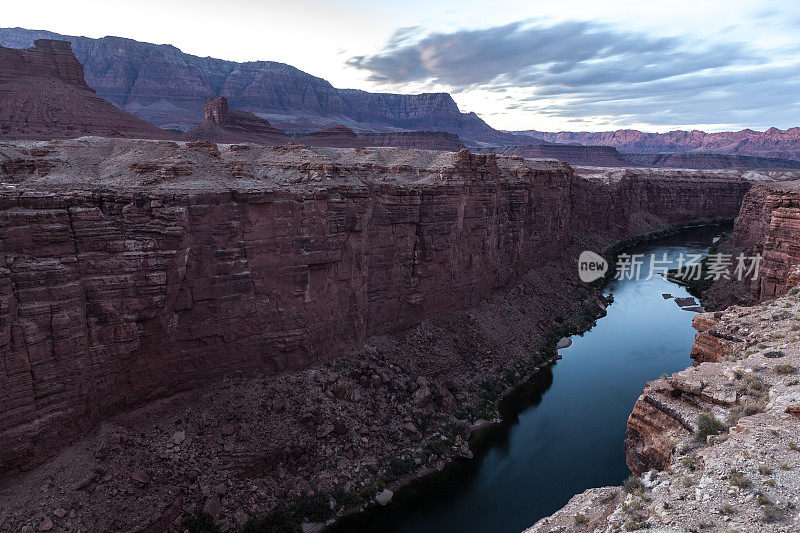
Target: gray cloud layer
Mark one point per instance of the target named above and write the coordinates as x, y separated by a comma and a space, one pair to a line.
591, 70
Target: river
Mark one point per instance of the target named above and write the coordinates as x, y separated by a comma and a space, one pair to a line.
563, 431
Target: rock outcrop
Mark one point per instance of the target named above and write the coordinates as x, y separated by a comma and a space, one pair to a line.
338, 136
43, 95
134, 270
225, 125
47, 59
784, 144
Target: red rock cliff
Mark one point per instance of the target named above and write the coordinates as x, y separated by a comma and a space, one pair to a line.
769, 224
43, 96
170, 264
47, 59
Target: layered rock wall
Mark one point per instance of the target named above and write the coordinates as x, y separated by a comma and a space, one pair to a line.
43, 95
47, 59
113, 293
425, 140
769, 224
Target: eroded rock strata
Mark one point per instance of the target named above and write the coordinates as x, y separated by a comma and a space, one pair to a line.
222, 124
137, 270
768, 224
770, 143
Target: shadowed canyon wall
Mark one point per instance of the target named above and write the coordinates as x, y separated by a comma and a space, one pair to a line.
114, 291
769, 224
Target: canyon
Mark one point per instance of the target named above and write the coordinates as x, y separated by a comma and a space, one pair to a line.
137, 271
714, 446
278, 315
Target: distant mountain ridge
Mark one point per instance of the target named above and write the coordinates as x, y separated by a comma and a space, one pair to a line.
579, 155
168, 88
773, 142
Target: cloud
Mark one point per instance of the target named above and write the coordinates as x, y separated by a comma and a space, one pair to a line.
529, 51
578, 70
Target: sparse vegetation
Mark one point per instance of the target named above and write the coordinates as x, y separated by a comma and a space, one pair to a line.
774, 354
752, 408
738, 479
633, 485
727, 509
784, 369
707, 425
580, 519
772, 513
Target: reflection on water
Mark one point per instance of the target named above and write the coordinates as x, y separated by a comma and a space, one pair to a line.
562, 431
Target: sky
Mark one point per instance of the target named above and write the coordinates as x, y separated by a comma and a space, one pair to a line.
556, 65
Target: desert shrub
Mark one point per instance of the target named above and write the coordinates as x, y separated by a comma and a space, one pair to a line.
784, 369
774, 354
752, 408
708, 425
633, 485
580, 518
771, 513
738, 479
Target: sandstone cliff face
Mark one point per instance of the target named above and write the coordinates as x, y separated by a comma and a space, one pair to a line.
710, 161
43, 96
134, 270
47, 59
769, 224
